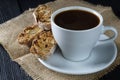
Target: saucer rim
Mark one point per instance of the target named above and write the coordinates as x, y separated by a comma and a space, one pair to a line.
81, 73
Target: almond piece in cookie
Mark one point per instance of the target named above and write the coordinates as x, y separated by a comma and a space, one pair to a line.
43, 45
42, 16
28, 34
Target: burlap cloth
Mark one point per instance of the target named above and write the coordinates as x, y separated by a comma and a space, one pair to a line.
10, 29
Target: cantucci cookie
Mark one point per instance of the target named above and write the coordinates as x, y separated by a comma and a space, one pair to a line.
28, 34
42, 16
43, 45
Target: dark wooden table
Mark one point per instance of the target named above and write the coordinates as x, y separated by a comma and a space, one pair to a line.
10, 70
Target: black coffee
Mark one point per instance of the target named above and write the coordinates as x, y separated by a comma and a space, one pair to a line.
76, 20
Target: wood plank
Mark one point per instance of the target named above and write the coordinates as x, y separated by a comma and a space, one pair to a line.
26, 4
10, 70
8, 10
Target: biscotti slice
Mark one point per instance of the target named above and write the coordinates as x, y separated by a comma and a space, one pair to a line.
43, 45
42, 16
28, 34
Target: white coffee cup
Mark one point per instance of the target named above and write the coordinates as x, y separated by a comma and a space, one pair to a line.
76, 45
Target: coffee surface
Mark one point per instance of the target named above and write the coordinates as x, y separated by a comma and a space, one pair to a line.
76, 20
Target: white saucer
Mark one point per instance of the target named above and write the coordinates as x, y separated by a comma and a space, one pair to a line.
101, 57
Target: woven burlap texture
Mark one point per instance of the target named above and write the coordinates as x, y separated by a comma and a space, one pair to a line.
20, 53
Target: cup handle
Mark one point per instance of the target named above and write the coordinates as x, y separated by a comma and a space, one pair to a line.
110, 28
